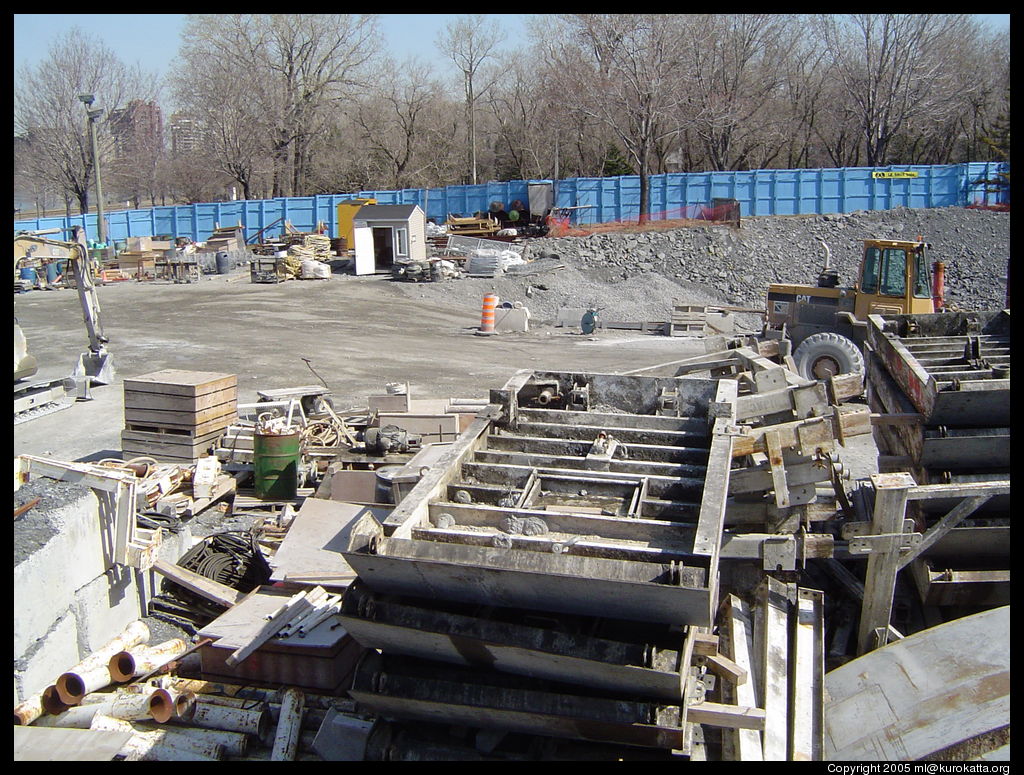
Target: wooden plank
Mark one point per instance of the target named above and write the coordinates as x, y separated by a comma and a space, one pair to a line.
295, 607
220, 415
807, 724
739, 646
215, 425
808, 434
185, 440
137, 399
716, 484
208, 588
775, 678
181, 383
731, 716
726, 669
705, 644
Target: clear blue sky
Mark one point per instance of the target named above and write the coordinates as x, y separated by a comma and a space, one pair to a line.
152, 40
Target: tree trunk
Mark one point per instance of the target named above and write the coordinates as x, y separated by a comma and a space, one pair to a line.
645, 204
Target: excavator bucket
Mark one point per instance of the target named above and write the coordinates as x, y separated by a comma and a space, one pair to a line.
98, 367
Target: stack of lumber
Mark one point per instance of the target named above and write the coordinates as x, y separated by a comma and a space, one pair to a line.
176, 416
225, 238
318, 245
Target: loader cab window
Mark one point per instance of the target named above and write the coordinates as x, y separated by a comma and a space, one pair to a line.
869, 278
885, 271
922, 277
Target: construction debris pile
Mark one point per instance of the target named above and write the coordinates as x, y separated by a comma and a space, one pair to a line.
665, 564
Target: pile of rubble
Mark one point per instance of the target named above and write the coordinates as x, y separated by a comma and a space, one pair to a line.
637, 275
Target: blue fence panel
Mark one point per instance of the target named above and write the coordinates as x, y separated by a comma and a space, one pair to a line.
759, 192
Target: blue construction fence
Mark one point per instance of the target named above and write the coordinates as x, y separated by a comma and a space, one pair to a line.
599, 200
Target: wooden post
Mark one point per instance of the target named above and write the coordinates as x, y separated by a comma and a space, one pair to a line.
880, 579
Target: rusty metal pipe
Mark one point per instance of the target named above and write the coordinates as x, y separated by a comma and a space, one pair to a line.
286, 741
52, 702
139, 660
253, 721
29, 710
127, 706
93, 673
167, 704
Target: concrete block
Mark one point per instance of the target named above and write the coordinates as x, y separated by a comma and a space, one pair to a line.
108, 604
47, 658
511, 320
47, 577
342, 738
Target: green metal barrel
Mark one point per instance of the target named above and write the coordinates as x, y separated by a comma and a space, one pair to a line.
275, 463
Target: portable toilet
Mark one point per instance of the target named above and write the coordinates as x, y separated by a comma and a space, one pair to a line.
346, 214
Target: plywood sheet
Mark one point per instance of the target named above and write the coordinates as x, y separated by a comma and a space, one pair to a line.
316, 538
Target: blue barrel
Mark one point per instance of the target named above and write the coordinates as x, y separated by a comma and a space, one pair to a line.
28, 273
223, 263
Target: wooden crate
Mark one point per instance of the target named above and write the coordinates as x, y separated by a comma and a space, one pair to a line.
177, 415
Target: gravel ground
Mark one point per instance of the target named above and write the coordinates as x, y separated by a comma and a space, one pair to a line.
637, 276
34, 528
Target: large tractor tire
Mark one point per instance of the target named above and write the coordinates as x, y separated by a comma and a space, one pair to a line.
825, 355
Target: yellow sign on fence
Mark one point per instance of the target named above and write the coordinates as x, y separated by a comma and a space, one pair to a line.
894, 174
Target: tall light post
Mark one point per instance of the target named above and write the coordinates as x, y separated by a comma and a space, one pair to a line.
94, 114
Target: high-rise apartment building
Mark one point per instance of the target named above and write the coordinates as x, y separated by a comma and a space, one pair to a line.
186, 135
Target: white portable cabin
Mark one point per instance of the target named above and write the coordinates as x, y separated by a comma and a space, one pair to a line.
388, 234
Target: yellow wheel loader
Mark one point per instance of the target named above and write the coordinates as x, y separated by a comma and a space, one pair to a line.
827, 324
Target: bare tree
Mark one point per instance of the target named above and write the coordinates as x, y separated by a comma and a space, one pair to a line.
894, 69
470, 42
48, 108
216, 91
626, 70
393, 121
286, 72
734, 98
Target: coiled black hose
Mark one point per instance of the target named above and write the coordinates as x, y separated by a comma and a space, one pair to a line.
232, 559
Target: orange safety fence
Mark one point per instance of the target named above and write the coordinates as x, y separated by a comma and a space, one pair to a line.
681, 217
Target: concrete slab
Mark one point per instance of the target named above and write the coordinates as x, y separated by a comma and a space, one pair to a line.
108, 604
46, 658
60, 554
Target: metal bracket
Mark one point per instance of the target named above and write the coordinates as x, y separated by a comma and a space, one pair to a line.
884, 543
778, 553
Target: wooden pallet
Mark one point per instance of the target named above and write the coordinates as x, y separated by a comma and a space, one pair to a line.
688, 320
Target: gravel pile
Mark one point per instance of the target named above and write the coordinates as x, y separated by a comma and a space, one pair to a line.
637, 276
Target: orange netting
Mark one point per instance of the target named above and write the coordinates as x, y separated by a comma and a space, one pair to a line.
678, 218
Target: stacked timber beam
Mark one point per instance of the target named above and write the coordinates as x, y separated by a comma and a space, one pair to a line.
176, 416
939, 386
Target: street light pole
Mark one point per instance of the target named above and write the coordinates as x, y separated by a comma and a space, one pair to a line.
101, 230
